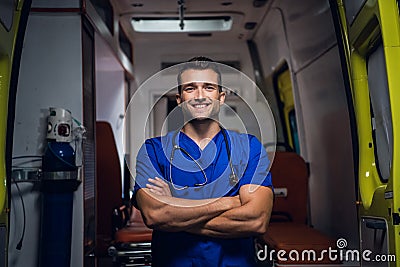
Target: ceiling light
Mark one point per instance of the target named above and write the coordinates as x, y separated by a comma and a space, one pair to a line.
191, 24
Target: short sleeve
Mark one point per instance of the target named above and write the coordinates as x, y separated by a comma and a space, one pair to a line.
257, 170
146, 167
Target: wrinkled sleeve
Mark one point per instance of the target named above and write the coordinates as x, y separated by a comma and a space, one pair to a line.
147, 166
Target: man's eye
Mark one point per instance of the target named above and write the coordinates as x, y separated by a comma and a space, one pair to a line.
211, 88
188, 89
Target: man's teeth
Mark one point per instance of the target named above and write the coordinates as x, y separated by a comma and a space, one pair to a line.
200, 106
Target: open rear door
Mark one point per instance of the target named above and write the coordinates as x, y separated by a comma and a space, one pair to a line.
13, 18
371, 36
284, 92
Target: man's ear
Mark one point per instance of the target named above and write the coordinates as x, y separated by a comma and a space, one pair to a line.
178, 99
222, 96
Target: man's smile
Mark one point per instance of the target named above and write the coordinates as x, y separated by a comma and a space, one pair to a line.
200, 106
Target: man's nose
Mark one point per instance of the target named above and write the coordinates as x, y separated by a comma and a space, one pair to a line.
200, 94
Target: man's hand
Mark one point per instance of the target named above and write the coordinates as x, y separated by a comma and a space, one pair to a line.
159, 187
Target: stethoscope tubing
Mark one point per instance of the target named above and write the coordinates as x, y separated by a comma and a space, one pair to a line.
233, 179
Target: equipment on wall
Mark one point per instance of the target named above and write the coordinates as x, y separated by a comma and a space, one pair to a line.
59, 156
59, 181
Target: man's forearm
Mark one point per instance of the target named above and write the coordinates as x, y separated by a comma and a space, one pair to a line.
175, 214
231, 224
250, 219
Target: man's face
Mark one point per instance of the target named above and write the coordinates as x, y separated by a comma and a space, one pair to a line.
200, 96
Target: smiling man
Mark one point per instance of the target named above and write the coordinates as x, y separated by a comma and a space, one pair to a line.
206, 191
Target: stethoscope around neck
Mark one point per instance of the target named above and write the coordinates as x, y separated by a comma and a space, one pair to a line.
233, 178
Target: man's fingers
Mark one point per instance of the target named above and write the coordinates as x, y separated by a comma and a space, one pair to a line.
165, 186
153, 188
160, 186
158, 182
162, 181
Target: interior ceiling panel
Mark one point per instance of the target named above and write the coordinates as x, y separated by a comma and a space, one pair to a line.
241, 11
310, 30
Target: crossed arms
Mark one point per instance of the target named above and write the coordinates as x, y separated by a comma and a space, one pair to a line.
246, 214
227, 217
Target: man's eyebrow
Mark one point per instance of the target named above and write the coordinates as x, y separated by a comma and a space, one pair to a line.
194, 84
188, 84
213, 84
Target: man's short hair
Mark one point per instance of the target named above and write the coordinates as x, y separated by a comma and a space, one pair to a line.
199, 63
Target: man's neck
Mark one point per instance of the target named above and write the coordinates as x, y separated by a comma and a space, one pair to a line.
201, 131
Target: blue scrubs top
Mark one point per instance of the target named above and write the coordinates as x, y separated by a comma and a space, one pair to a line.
251, 165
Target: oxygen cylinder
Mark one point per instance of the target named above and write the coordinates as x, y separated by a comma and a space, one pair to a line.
58, 185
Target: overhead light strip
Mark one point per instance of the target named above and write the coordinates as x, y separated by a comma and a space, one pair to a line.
194, 24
